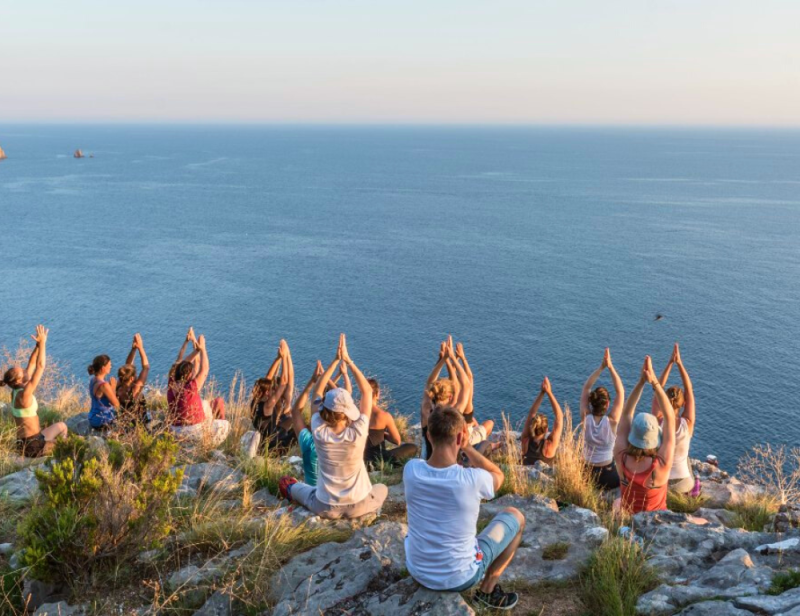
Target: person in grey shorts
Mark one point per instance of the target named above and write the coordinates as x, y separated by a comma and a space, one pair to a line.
443, 501
340, 430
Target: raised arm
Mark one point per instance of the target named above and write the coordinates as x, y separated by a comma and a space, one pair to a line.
554, 439
587, 388
526, 431
319, 388
202, 375
24, 398
288, 367
132, 353
190, 337
624, 428
276, 363
667, 450
362, 382
463, 357
663, 380
688, 391
32, 361
348, 385
298, 423
465, 389
619, 393
139, 345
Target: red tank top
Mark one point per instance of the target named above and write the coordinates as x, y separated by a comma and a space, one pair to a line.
636, 496
185, 403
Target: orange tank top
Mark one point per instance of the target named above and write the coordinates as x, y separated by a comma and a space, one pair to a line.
636, 496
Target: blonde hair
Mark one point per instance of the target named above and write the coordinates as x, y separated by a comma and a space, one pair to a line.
538, 426
441, 392
675, 395
639, 453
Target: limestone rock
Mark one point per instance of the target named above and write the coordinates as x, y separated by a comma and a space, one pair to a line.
546, 525
788, 545
36, 594
766, 604
79, 424
20, 487
714, 608
218, 604
248, 444
729, 492
210, 476
787, 518
192, 576
62, 608
6, 548
405, 598
264, 499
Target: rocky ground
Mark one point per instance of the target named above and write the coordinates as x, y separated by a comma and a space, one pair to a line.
706, 567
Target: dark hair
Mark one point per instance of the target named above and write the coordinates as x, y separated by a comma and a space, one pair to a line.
444, 424
183, 371
675, 395
261, 387
599, 400
376, 387
126, 374
98, 363
8, 377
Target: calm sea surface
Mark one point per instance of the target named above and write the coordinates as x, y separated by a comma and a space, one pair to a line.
536, 247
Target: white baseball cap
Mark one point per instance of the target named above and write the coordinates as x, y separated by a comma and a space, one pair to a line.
340, 401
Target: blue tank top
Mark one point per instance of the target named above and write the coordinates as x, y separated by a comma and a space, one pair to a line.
101, 413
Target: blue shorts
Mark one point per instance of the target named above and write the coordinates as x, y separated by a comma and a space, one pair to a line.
495, 538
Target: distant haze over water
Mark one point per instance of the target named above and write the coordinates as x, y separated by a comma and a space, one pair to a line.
536, 247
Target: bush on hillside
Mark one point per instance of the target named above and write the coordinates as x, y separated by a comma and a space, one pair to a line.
100, 507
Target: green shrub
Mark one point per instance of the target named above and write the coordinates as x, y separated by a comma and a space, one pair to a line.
784, 581
11, 591
616, 575
100, 507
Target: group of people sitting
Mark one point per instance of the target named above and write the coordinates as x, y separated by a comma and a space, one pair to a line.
641, 455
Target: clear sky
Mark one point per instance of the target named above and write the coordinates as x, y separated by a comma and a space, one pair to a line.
410, 61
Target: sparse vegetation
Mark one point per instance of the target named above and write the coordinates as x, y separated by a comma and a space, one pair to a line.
784, 581
616, 575
775, 469
556, 551
684, 503
754, 512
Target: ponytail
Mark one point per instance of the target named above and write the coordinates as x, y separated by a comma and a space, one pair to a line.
98, 363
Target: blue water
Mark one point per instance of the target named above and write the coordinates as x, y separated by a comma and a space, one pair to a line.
536, 247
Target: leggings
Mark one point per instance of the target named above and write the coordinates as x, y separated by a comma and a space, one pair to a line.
391, 457
605, 477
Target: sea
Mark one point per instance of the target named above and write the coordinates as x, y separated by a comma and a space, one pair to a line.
536, 247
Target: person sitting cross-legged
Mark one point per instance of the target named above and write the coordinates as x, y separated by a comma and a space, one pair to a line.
340, 430
443, 502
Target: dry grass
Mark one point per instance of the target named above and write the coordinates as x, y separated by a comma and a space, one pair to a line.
753, 513
775, 469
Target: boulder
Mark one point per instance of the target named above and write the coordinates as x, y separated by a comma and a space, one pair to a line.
248, 444
579, 530
19, 487
36, 594
405, 598
209, 476
787, 518
779, 547
79, 424
726, 493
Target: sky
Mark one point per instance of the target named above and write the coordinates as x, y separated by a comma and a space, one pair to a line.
685, 62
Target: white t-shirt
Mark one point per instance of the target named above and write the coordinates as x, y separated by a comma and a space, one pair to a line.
680, 463
443, 505
342, 477
598, 440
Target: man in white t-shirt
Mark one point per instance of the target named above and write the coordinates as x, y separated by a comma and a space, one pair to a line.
443, 502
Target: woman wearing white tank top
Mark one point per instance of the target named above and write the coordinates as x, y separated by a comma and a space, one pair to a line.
600, 425
681, 478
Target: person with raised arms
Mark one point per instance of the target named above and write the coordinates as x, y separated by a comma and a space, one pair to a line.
33, 441
454, 391
132, 405
681, 477
191, 417
643, 451
443, 503
340, 430
478, 432
268, 391
600, 425
537, 444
